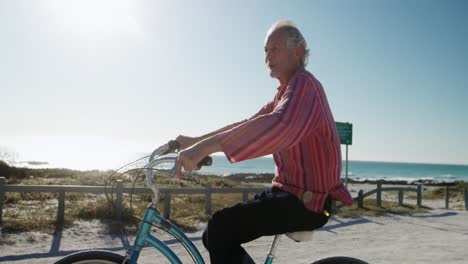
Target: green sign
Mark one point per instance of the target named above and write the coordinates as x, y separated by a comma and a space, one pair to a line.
345, 130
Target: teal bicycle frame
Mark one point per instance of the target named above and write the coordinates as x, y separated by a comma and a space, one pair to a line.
144, 236
152, 216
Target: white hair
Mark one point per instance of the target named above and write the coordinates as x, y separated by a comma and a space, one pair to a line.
295, 38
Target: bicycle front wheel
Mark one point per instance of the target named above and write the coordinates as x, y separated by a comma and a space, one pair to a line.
340, 260
92, 257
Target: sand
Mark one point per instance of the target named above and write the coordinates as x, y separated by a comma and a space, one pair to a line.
438, 236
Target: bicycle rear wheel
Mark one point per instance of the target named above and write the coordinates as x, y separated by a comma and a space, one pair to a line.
339, 260
92, 257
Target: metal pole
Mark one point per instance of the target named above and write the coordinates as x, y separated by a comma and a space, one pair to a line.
346, 165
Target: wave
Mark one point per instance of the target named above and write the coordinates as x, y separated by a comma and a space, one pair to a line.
403, 180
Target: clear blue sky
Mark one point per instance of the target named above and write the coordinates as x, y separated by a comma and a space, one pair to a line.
81, 80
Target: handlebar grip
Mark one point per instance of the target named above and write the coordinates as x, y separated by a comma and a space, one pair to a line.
173, 145
206, 161
170, 147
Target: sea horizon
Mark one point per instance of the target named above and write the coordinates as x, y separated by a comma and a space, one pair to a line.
359, 170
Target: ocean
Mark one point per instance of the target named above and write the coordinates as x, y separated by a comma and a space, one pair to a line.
357, 170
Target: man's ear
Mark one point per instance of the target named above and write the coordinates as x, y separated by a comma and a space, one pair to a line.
300, 51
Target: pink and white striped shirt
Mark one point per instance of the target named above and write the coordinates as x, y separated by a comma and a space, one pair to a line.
298, 128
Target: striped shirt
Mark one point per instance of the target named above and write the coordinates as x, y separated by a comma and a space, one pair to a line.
298, 128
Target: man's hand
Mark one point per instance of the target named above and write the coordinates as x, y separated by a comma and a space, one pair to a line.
186, 142
189, 158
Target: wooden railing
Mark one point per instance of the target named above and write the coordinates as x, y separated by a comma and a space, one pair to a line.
119, 191
361, 195
207, 191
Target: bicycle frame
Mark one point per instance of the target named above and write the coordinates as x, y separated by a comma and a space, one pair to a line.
144, 236
152, 216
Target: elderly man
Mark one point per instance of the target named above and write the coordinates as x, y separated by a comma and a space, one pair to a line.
298, 128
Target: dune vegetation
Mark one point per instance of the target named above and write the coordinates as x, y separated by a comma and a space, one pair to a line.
37, 211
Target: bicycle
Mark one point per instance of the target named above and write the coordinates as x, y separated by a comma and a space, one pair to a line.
152, 215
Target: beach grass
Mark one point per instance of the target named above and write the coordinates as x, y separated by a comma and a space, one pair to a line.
37, 211
456, 192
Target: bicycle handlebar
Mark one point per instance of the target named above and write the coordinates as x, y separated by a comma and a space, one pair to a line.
155, 159
173, 145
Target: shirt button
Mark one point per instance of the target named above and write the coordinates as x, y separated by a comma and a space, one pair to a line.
307, 196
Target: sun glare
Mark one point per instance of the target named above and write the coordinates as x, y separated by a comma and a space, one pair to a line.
99, 18
77, 152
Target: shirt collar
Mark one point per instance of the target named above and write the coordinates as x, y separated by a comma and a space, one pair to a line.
298, 71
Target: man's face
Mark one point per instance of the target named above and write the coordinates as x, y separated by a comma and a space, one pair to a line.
278, 57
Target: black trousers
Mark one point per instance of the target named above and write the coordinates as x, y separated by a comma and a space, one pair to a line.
269, 213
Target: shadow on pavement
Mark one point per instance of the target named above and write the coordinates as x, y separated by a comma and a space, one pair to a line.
445, 214
340, 224
55, 248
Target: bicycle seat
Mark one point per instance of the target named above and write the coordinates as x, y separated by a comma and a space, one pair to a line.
300, 236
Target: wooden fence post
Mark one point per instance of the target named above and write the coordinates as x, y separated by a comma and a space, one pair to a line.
208, 199
245, 196
2, 184
167, 205
379, 194
118, 206
61, 208
466, 199
400, 197
360, 200
419, 198
446, 197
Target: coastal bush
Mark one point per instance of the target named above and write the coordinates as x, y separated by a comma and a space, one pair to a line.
11, 198
5, 169
88, 210
456, 191
37, 211
27, 217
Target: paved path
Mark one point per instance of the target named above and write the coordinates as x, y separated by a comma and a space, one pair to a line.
436, 237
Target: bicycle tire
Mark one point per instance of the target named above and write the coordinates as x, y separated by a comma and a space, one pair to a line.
92, 257
340, 260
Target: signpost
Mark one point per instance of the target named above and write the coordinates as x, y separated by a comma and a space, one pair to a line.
345, 130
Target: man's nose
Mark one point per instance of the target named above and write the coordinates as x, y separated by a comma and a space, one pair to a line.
268, 57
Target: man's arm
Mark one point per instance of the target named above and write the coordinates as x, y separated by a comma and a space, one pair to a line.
186, 142
296, 115
207, 144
